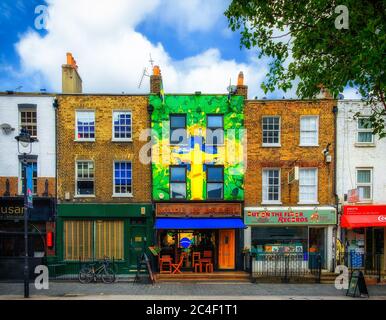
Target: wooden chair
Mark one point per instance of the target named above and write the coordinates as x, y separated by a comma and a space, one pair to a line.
207, 261
177, 266
209, 267
196, 263
166, 259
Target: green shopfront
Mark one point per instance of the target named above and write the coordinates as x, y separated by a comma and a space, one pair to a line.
88, 232
301, 230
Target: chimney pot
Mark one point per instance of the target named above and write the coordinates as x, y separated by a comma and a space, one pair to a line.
240, 79
156, 71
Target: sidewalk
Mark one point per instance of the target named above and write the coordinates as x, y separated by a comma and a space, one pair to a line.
185, 291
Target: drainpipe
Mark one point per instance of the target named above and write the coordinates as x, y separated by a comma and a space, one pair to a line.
335, 112
55, 105
150, 110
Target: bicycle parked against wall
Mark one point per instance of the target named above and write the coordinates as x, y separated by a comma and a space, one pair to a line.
93, 271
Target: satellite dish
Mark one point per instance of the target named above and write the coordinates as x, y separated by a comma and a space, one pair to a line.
232, 89
7, 129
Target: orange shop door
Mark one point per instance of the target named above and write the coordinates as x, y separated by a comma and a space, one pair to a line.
226, 251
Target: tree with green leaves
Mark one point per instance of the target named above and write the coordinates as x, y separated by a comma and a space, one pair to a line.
319, 42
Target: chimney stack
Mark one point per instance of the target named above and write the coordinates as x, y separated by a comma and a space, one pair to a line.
242, 89
324, 93
71, 80
155, 80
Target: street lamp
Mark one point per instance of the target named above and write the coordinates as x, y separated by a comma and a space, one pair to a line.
25, 141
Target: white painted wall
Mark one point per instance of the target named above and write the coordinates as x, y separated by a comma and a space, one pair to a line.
44, 148
351, 156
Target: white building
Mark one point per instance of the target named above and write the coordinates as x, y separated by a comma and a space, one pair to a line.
360, 182
36, 113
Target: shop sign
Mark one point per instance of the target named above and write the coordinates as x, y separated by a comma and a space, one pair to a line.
290, 216
198, 210
11, 212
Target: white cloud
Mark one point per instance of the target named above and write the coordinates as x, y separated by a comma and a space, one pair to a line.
111, 54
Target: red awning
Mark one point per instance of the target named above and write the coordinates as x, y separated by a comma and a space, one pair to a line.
363, 216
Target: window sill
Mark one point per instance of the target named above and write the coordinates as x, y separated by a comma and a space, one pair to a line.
364, 144
84, 196
365, 201
84, 140
309, 202
115, 195
308, 145
271, 202
122, 140
266, 145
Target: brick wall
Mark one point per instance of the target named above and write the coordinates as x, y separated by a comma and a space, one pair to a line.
103, 151
14, 186
290, 154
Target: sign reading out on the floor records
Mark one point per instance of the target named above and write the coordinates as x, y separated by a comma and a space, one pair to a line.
290, 216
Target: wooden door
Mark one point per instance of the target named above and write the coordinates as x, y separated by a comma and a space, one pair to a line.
226, 250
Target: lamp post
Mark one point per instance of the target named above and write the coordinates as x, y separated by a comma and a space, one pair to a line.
25, 141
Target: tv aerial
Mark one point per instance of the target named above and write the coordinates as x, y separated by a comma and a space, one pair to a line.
145, 73
231, 88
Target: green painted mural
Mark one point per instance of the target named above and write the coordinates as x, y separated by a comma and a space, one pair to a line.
197, 152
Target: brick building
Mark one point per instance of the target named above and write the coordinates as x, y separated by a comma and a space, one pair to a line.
104, 204
34, 112
289, 179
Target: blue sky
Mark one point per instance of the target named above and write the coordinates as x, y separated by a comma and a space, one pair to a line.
112, 39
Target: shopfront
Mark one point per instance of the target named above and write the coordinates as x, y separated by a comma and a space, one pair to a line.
88, 232
202, 230
364, 229
12, 247
300, 230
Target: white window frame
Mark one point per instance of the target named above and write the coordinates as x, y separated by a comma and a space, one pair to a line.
122, 195
131, 125
363, 184
266, 201
267, 144
315, 201
21, 124
76, 195
359, 130
76, 126
317, 131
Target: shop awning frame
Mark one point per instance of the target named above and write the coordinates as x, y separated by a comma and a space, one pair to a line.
363, 216
199, 223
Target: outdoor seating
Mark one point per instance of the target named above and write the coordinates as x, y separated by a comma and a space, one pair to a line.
177, 266
196, 263
207, 259
165, 261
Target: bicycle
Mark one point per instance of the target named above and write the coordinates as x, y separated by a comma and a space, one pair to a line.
90, 273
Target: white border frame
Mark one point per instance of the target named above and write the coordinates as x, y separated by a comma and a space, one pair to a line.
112, 126
317, 130
76, 125
123, 195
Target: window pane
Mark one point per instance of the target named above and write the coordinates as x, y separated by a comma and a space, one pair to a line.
364, 123
215, 122
271, 130
122, 177
215, 174
215, 190
85, 187
308, 185
177, 174
177, 121
364, 176
178, 190
85, 124
364, 193
178, 136
78, 243
365, 137
271, 185
109, 239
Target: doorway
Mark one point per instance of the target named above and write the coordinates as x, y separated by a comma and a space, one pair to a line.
137, 244
226, 254
317, 243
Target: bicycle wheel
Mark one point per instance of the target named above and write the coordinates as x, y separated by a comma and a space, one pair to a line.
108, 276
86, 275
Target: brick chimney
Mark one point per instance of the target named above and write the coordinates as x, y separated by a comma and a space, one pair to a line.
155, 80
324, 93
71, 80
242, 89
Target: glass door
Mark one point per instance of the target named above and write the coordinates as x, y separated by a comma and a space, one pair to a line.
317, 244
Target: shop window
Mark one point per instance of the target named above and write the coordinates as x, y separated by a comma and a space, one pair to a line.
308, 185
28, 120
34, 165
178, 182
122, 125
215, 130
364, 184
271, 131
309, 131
84, 178
271, 185
122, 178
85, 126
365, 131
215, 182
109, 239
78, 240
178, 129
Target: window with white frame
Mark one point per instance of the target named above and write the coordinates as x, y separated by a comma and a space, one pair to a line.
271, 185
122, 125
365, 184
309, 130
28, 120
122, 178
308, 185
34, 165
271, 131
365, 131
85, 179
85, 125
